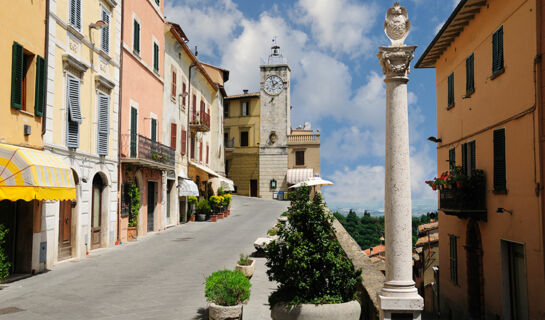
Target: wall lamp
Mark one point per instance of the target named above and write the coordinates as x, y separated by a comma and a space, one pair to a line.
98, 25
434, 139
502, 210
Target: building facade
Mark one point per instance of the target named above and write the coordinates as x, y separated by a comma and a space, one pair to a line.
492, 260
303, 154
81, 122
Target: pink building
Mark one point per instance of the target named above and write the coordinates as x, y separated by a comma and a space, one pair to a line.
144, 161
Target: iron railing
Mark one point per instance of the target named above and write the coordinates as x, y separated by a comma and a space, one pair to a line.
465, 201
144, 148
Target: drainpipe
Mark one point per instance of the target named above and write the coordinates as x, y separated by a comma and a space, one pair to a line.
188, 135
539, 106
46, 54
119, 125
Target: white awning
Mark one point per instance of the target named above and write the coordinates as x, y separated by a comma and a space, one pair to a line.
225, 183
204, 168
187, 188
299, 175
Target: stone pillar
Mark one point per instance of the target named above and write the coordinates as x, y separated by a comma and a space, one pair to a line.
399, 297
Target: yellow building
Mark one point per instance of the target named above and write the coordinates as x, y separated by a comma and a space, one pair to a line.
28, 175
82, 122
303, 154
491, 236
241, 139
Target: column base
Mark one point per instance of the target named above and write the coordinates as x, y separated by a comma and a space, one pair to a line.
406, 306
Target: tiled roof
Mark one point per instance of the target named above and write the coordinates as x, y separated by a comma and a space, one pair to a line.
428, 227
376, 250
244, 95
432, 238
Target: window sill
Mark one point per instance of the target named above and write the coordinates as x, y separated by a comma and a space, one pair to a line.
77, 33
156, 72
497, 73
450, 106
105, 55
469, 94
500, 191
136, 54
173, 99
27, 113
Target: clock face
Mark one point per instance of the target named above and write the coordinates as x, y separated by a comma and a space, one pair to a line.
273, 85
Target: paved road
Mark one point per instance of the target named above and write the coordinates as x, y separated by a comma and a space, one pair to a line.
158, 277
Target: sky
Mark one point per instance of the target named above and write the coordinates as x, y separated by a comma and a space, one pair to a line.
336, 81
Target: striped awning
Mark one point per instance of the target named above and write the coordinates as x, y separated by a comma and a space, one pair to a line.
299, 175
187, 188
28, 174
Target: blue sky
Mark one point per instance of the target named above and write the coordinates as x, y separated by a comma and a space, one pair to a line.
331, 47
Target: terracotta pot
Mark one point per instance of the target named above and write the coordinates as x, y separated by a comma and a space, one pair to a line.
192, 218
459, 184
220, 215
213, 218
346, 311
217, 312
132, 233
248, 270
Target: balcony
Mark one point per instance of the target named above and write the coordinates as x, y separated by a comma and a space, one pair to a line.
200, 122
304, 138
141, 150
467, 201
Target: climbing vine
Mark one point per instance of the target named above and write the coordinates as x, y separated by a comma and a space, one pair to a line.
134, 204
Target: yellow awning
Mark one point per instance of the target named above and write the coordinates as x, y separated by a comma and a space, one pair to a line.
27, 174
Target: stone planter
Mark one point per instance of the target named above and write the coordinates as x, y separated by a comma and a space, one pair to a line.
217, 312
201, 217
346, 311
132, 233
248, 271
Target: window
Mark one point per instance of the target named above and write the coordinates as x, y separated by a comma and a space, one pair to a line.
153, 129
453, 258
103, 125
74, 111
499, 161
468, 157
470, 80
155, 57
200, 151
192, 146
134, 131
183, 94
225, 138
22, 84
244, 109
74, 16
451, 90
300, 158
136, 37
244, 138
173, 129
207, 153
452, 158
158, 2
105, 32
184, 142
173, 85
226, 109
194, 102
497, 52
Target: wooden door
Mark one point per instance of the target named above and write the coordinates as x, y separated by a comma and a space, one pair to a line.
65, 230
151, 205
253, 188
96, 219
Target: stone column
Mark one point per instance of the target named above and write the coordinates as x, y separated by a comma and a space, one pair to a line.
399, 297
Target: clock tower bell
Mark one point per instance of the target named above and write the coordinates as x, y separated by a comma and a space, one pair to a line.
275, 125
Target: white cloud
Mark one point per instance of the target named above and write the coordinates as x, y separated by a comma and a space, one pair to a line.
341, 26
352, 143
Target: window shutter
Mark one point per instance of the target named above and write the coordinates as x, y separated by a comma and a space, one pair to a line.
452, 158
136, 36
464, 157
17, 67
78, 14
39, 100
207, 153
72, 135
194, 105
183, 94
74, 99
500, 48
173, 132
72, 18
154, 129
173, 85
499, 160
184, 142
497, 50
472, 156
105, 32
451, 90
156, 57
470, 83
200, 151
134, 131
103, 124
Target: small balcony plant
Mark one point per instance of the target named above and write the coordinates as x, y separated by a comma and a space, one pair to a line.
226, 290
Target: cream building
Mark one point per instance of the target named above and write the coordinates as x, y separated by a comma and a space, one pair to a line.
82, 122
303, 154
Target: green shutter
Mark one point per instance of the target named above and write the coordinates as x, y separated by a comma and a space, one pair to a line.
470, 81
154, 129
472, 156
39, 99
134, 132
497, 50
451, 90
452, 158
464, 157
17, 69
156, 57
500, 47
499, 160
136, 37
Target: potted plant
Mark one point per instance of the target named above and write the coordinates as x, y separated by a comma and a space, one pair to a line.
227, 202
325, 283
246, 265
192, 201
226, 290
134, 210
203, 210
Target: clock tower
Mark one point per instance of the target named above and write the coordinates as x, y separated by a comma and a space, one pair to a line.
275, 125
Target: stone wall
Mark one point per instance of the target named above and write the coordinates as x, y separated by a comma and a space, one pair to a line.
373, 279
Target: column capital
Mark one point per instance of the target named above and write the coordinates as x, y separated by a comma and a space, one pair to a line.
395, 61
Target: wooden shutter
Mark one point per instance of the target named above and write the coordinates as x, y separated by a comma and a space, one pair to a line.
499, 160
194, 105
497, 50
17, 69
470, 81
451, 90
134, 131
500, 48
184, 142
183, 94
154, 129
78, 14
156, 57
452, 158
136, 37
105, 32
453, 258
39, 99
75, 14
173, 129
103, 124
173, 85
200, 151
472, 159
207, 153
464, 157
74, 112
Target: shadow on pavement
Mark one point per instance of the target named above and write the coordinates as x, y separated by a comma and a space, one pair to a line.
202, 314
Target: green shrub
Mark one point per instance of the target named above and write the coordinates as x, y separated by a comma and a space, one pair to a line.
4, 264
244, 260
307, 260
221, 192
191, 199
134, 205
227, 288
203, 207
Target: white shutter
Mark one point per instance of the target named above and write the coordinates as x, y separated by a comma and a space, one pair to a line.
74, 112
105, 32
103, 124
78, 14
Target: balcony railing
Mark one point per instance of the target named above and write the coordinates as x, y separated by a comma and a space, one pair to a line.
468, 201
311, 138
200, 122
135, 146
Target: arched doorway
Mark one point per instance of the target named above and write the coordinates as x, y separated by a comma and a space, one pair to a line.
474, 253
96, 212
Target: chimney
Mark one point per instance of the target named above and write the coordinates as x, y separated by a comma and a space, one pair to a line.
245, 91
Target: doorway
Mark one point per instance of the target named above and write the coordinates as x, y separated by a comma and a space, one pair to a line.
151, 206
253, 188
170, 185
96, 212
65, 229
474, 252
17, 218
